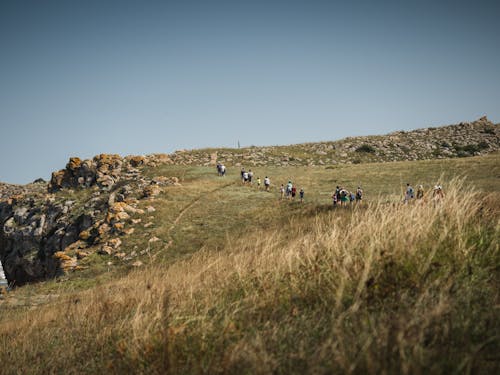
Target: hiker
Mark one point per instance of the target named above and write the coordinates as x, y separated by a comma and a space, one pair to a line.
335, 197
243, 175
250, 175
344, 197
223, 170
301, 194
289, 189
282, 192
359, 194
258, 182
219, 172
408, 193
352, 197
420, 192
294, 192
437, 193
267, 183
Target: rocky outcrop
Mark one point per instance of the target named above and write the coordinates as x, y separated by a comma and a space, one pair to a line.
462, 140
104, 170
89, 205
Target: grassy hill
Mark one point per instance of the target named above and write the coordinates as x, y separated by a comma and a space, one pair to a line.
226, 278
461, 140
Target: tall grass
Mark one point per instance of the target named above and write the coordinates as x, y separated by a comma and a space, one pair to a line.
381, 288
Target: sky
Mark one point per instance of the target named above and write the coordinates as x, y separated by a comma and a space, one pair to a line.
79, 78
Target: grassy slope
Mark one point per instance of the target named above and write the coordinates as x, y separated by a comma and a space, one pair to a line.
269, 287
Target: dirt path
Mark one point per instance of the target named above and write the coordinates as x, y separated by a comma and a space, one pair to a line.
194, 201
187, 208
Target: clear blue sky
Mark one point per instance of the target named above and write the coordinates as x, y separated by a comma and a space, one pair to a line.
135, 77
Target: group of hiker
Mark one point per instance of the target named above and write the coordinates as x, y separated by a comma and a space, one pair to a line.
247, 178
290, 191
409, 195
341, 196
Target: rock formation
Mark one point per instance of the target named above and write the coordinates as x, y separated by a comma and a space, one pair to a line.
43, 234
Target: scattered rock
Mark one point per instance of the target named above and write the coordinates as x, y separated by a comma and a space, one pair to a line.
105, 250
115, 243
151, 191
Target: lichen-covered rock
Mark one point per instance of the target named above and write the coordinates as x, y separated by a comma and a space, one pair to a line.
136, 161
151, 191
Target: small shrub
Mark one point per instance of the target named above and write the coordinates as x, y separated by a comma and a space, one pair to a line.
483, 145
489, 130
471, 148
405, 149
366, 148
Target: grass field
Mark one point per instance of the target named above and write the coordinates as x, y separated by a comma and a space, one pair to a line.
242, 282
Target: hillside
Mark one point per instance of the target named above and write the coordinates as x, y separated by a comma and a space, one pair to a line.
462, 140
150, 265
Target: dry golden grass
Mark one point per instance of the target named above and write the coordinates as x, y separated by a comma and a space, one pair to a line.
381, 288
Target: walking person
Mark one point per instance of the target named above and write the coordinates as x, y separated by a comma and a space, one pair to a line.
437, 194
420, 192
294, 192
408, 193
301, 194
267, 183
250, 176
258, 182
359, 194
335, 197
282, 192
352, 198
344, 196
289, 189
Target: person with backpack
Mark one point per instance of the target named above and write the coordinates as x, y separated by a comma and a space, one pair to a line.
352, 197
408, 193
344, 197
359, 194
245, 177
335, 197
437, 193
267, 183
223, 170
294, 192
289, 189
420, 192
